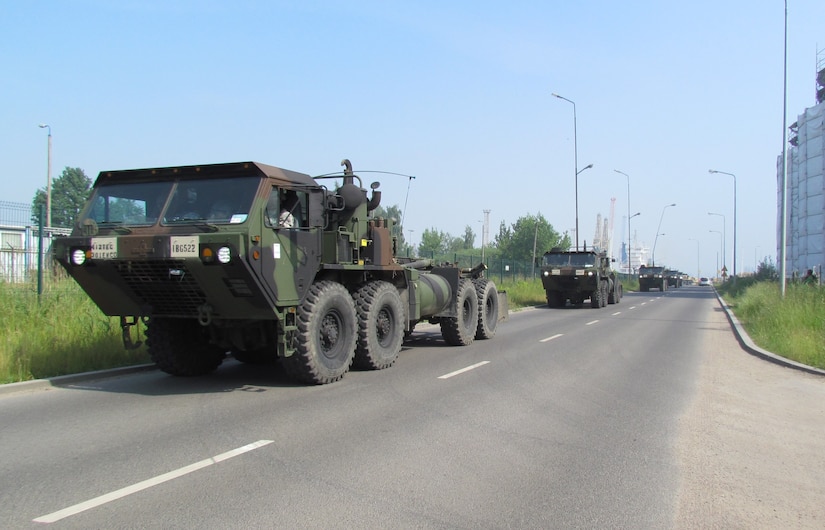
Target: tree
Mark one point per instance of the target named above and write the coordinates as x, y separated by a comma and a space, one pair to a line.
529, 232
469, 238
69, 193
434, 242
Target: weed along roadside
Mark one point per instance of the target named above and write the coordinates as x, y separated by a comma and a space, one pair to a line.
786, 328
62, 333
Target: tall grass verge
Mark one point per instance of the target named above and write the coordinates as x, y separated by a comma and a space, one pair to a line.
61, 332
793, 327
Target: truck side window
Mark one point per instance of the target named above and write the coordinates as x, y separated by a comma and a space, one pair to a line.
285, 209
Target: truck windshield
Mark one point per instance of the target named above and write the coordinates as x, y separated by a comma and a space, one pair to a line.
216, 200
569, 260
651, 270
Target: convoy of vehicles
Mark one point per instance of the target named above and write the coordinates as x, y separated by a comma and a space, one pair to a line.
264, 262
652, 278
577, 276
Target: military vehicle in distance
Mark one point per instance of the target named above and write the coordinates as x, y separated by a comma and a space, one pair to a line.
578, 275
674, 278
652, 278
264, 263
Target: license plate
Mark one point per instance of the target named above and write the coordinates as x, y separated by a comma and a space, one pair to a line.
183, 247
104, 247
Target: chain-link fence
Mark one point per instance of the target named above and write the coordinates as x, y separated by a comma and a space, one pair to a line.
21, 258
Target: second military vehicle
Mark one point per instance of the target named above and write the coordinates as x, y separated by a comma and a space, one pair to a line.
579, 275
264, 263
652, 278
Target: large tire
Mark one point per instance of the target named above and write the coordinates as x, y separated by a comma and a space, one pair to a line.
460, 330
326, 336
381, 323
596, 297
487, 308
181, 347
605, 289
611, 294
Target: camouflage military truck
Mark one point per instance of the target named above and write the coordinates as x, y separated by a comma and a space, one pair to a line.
579, 275
652, 278
264, 263
674, 278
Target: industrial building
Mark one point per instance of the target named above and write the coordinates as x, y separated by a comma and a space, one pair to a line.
805, 237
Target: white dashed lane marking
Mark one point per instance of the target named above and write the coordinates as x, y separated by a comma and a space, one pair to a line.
146, 484
467, 369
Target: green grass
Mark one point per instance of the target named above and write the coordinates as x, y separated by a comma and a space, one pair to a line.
793, 327
60, 332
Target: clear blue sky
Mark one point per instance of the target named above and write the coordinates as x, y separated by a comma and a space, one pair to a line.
456, 93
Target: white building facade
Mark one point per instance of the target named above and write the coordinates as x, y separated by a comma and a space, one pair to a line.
805, 238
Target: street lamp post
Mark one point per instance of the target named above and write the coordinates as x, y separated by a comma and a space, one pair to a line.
722, 246
724, 239
575, 162
48, 177
629, 259
734, 215
656, 239
588, 166
628, 217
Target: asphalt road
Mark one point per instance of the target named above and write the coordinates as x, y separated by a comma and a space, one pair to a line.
646, 414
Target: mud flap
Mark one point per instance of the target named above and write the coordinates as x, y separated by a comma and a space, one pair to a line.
503, 306
127, 336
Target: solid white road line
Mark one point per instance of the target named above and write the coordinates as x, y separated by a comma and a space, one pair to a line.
457, 372
140, 486
557, 335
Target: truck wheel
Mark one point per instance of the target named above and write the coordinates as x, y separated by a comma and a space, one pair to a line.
380, 325
611, 294
181, 347
460, 330
596, 297
605, 290
325, 341
487, 308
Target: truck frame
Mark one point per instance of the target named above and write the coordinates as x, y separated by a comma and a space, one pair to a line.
264, 263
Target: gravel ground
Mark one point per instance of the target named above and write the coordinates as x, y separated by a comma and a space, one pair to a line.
752, 445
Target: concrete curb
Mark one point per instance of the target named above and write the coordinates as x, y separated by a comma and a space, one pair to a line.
63, 380
749, 346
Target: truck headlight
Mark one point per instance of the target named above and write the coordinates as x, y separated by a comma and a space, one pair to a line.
224, 255
78, 256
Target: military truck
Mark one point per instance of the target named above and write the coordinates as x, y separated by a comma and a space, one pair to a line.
652, 278
674, 278
578, 275
262, 263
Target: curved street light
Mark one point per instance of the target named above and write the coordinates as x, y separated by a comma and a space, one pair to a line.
575, 162
629, 268
734, 214
656, 239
